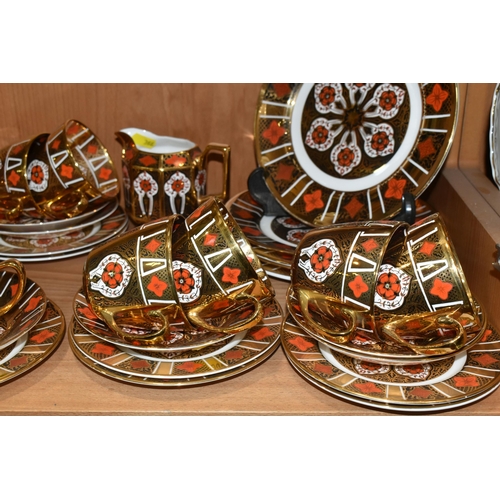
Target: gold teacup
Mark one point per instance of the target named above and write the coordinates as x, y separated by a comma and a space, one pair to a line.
68, 169
163, 175
6, 303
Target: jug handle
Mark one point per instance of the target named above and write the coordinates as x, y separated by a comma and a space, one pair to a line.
225, 151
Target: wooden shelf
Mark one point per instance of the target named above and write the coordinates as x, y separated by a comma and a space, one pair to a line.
462, 192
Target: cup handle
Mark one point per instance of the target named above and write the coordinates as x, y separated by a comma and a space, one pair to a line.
198, 314
225, 151
139, 322
333, 308
21, 273
420, 324
10, 208
80, 205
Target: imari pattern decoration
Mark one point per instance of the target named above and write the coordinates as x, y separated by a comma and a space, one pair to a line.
145, 187
111, 276
392, 287
177, 186
188, 281
37, 174
431, 386
323, 259
335, 152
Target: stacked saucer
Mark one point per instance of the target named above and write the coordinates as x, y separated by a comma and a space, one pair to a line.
33, 327
176, 302
58, 195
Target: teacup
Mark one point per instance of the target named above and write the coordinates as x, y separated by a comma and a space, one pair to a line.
68, 169
164, 175
422, 299
334, 275
15, 193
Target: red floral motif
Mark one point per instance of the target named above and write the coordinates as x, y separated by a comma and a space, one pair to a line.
420, 392
487, 334
395, 188
437, 97
92, 149
55, 144
145, 185
327, 95
105, 173
486, 359
189, 366
321, 259
320, 134
42, 336
273, 133
358, 286
469, 381
301, 343
184, 281
18, 361
388, 286
441, 289
372, 367
33, 303
112, 275
230, 275
234, 354
139, 364
14, 177
262, 333
176, 160
388, 100
157, 286
67, 171
345, 157
368, 388
37, 176
426, 148
313, 200
178, 185
379, 141
413, 369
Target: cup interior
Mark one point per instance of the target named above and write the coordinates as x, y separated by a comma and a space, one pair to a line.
149, 142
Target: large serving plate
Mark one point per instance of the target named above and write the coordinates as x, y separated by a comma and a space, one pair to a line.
434, 386
336, 152
495, 136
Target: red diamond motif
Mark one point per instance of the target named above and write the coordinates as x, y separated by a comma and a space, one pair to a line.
426, 148
486, 359
427, 248
325, 369
235, 354
353, 207
153, 245
147, 161
210, 240
14, 177
369, 245
420, 393
284, 172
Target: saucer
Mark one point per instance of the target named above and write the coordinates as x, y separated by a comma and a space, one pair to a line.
494, 137
11, 350
364, 347
42, 341
29, 249
334, 152
244, 351
438, 385
25, 314
276, 271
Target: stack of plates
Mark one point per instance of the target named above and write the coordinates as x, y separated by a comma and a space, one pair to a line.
362, 373
30, 331
274, 239
34, 240
185, 359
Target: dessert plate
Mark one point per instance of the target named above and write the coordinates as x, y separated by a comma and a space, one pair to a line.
30, 224
179, 340
25, 314
495, 137
42, 341
431, 386
334, 152
243, 351
365, 347
24, 248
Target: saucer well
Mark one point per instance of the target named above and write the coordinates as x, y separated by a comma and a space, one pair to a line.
42, 341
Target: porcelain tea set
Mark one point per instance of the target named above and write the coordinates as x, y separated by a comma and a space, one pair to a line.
378, 310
